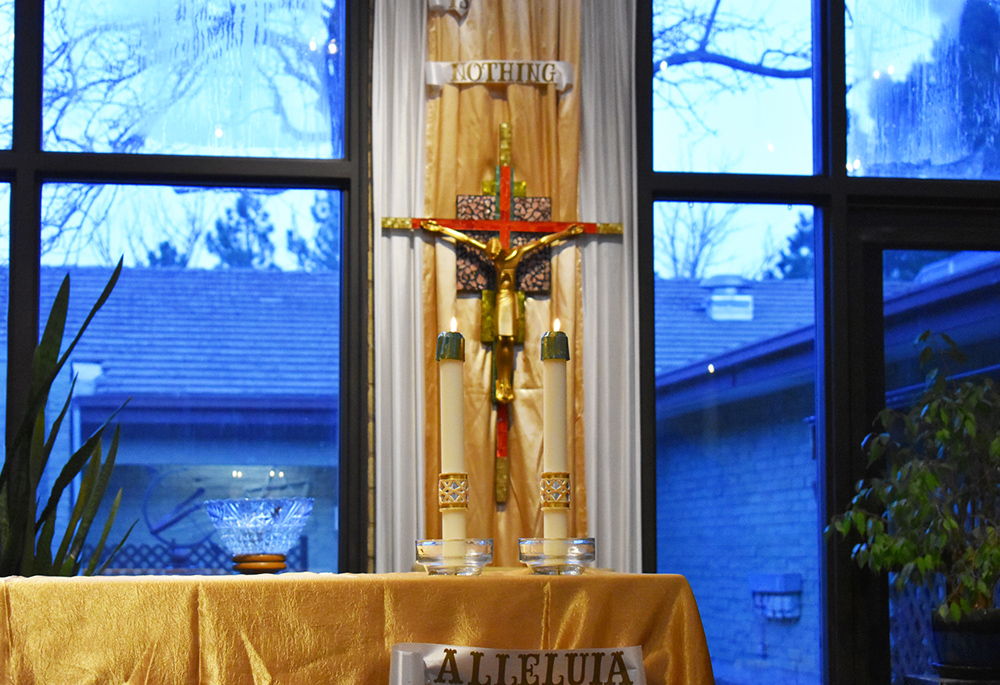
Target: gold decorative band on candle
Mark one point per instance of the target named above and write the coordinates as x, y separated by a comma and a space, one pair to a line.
555, 490
453, 491
555, 345
451, 345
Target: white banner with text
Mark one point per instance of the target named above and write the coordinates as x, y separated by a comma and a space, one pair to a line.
414, 663
501, 72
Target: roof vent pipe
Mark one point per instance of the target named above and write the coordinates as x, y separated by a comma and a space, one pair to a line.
725, 302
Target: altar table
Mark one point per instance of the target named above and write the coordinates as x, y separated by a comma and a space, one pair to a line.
324, 628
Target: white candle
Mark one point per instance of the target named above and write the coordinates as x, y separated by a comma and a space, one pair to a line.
451, 359
555, 354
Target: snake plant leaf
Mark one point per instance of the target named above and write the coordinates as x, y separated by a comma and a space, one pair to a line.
26, 539
74, 520
121, 542
87, 487
27, 562
96, 556
43, 549
40, 460
21, 506
97, 493
46, 355
4, 519
17, 488
35, 458
45, 368
68, 567
93, 310
53, 367
46, 362
75, 464
67, 538
15, 476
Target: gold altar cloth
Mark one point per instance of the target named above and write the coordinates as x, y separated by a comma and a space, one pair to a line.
324, 628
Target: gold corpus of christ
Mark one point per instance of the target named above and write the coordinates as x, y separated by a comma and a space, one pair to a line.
498, 260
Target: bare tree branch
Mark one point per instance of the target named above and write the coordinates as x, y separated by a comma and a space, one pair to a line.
758, 69
689, 236
730, 48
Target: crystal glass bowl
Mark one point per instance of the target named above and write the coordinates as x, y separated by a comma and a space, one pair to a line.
557, 557
454, 557
259, 526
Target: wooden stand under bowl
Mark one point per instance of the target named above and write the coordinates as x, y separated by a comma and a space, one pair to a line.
258, 563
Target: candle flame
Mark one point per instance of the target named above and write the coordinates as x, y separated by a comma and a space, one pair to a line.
555, 325
454, 324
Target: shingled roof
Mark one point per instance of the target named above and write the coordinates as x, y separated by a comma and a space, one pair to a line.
226, 333
686, 334
775, 345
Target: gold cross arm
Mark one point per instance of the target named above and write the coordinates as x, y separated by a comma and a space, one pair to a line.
481, 224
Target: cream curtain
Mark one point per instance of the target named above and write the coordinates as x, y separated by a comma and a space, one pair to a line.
398, 191
610, 308
589, 142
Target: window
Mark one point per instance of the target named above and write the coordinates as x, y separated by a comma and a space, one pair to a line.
923, 87
256, 79
218, 151
941, 292
735, 403
892, 125
712, 59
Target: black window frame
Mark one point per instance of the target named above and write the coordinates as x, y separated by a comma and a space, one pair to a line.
26, 166
856, 219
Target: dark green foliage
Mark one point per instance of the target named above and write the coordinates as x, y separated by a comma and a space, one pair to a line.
797, 260
935, 507
167, 256
242, 238
324, 253
26, 536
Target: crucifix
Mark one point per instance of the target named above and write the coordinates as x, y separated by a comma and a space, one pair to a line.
498, 257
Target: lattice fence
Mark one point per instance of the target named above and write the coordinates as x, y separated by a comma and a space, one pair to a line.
204, 559
910, 639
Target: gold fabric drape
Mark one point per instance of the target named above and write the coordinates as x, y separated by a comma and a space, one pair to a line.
463, 125
307, 629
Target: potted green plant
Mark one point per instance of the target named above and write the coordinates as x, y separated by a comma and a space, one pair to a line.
932, 513
27, 534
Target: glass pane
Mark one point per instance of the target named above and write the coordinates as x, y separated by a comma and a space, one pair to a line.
923, 82
223, 335
955, 294
263, 78
732, 89
6, 74
736, 472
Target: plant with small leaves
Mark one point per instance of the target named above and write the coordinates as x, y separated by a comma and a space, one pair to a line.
934, 509
27, 536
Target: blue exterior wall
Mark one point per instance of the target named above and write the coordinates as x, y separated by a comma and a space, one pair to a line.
737, 495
